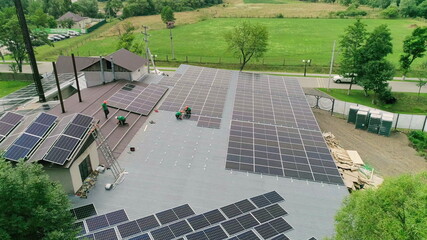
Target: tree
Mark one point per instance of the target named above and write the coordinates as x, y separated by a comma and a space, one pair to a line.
421, 83
40, 19
247, 40
167, 15
87, 8
112, 7
12, 38
351, 44
372, 69
126, 39
32, 206
414, 47
396, 210
408, 8
66, 23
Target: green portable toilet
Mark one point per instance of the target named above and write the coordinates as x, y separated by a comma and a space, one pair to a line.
386, 125
374, 123
352, 113
361, 119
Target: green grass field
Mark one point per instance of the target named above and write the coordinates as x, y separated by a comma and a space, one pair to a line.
267, 1
407, 103
8, 87
291, 40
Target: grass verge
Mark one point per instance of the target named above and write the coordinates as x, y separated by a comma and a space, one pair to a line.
407, 103
419, 141
8, 87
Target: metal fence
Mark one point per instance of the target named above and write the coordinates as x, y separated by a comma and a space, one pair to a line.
403, 121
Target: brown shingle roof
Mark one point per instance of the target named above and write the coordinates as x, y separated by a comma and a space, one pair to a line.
64, 64
127, 59
72, 16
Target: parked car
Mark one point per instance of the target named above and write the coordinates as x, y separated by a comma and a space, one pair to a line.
346, 78
73, 33
60, 36
56, 38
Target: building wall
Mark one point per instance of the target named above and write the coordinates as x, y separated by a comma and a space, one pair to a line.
137, 74
93, 79
61, 175
74, 168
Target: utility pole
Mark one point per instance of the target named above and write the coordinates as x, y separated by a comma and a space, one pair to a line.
173, 53
146, 47
332, 64
29, 47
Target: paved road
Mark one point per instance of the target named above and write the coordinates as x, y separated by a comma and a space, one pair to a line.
312, 81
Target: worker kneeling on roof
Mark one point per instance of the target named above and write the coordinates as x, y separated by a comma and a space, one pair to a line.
122, 120
178, 115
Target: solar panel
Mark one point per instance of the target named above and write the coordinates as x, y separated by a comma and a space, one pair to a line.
96, 223
232, 226
37, 129
57, 155
117, 217
88, 236
11, 118
247, 221
281, 237
262, 215
260, 201
46, 119
280, 225
180, 228
215, 233
166, 216
137, 99
15, 152
197, 236
163, 233
108, 234
147, 223
273, 197
183, 211
128, 229
141, 237
231, 210
214, 216
75, 130
245, 206
84, 211
82, 120
198, 222
249, 235
276, 210
5, 128
80, 227
266, 231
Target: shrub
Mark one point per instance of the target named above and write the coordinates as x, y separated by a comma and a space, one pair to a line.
387, 97
390, 12
279, 15
418, 139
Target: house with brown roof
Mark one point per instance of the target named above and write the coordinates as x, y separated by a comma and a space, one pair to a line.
120, 65
79, 21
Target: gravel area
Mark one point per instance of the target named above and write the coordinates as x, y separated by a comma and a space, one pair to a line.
390, 156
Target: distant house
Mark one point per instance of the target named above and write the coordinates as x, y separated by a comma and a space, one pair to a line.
79, 21
120, 65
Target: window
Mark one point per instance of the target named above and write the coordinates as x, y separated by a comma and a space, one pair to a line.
109, 67
85, 168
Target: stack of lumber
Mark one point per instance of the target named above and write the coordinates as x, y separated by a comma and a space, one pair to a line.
355, 174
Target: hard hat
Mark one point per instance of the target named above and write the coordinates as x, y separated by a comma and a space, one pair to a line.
186, 106
105, 102
117, 117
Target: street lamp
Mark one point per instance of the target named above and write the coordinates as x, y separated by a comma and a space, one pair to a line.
305, 65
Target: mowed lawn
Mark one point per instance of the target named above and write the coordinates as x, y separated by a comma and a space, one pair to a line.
8, 87
407, 103
291, 40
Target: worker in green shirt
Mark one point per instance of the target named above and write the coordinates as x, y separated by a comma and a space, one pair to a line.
122, 120
178, 115
187, 110
105, 108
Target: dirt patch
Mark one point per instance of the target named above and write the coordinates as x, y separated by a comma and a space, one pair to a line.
390, 156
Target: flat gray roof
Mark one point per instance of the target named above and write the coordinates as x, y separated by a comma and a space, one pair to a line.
176, 162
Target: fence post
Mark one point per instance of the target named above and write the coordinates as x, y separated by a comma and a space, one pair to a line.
397, 120
424, 124
333, 105
167, 58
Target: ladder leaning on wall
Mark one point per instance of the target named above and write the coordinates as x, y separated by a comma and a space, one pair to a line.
112, 163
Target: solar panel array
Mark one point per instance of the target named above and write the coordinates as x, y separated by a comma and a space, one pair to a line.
84, 211
259, 217
202, 89
32, 135
8, 122
65, 143
274, 132
137, 99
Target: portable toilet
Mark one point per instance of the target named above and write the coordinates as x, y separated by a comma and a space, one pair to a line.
361, 119
372, 111
386, 125
374, 123
352, 113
